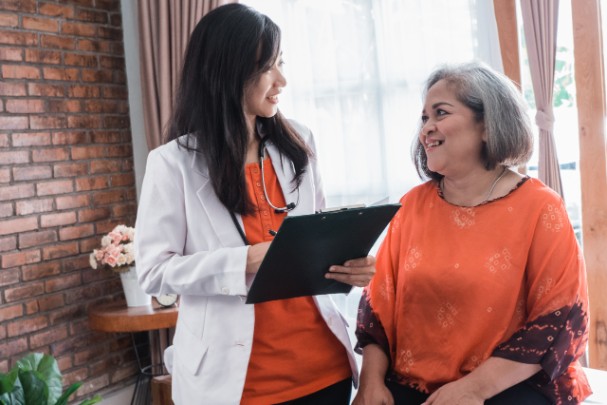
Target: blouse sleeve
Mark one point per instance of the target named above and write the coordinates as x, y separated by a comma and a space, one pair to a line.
556, 328
374, 321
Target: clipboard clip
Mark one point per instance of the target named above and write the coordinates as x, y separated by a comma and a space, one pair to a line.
340, 208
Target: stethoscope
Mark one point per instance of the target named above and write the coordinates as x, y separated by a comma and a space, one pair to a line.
289, 207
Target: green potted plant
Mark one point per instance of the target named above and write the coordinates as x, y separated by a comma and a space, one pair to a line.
36, 380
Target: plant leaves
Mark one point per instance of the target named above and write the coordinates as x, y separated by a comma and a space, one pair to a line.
92, 401
48, 371
7, 381
35, 390
63, 398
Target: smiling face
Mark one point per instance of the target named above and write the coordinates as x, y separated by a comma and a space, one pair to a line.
452, 137
261, 94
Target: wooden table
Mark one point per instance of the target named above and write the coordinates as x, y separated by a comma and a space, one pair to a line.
154, 319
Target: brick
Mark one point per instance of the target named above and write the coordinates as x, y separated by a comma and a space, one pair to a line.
64, 218
11, 54
116, 20
9, 277
79, 29
92, 16
6, 210
20, 258
56, 10
101, 76
10, 348
40, 24
4, 141
65, 106
8, 243
57, 42
111, 62
94, 45
16, 192
27, 207
64, 282
62, 74
120, 122
45, 90
92, 183
11, 312
85, 121
74, 59
24, 106
88, 152
45, 122
116, 92
122, 180
9, 20
41, 270
13, 122
31, 307
5, 175
23, 6
124, 210
76, 263
114, 34
67, 314
49, 302
18, 225
105, 166
88, 244
84, 91
76, 232
26, 325
72, 201
120, 151
70, 138
23, 291
48, 336
70, 169
54, 187
20, 72
12, 89
37, 238
50, 155
31, 139
58, 251
22, 173
18, 38
44, 56
107, 106
109, 197
87, 355
93, 214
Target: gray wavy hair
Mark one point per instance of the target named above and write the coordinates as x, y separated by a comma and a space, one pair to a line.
497, 103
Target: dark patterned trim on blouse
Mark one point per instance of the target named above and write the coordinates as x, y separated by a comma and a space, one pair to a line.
368, 327
554, 341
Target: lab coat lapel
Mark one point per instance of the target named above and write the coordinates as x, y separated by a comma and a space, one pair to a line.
219, 216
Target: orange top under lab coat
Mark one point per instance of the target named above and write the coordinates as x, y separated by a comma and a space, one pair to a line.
456, 285
294, 353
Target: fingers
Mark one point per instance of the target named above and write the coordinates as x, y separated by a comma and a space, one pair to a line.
356, 272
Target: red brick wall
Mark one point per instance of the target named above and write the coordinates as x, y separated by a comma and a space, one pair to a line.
66, 178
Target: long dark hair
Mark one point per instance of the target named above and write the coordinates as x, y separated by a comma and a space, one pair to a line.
230, 47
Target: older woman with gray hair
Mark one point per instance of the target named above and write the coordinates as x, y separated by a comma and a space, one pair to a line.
480, 293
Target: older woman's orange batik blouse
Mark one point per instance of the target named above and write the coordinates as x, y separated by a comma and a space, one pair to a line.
456, 285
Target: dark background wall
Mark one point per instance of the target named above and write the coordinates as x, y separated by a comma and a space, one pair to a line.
66, 179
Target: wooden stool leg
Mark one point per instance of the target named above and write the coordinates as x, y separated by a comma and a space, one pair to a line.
161, 390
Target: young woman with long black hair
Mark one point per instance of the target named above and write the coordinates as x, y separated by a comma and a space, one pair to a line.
232, 168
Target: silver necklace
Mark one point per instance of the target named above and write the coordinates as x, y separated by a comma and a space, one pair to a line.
502, 174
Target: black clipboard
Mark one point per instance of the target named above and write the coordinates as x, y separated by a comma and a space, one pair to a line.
306, 245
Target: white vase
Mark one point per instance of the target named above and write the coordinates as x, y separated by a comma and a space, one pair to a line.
135, 296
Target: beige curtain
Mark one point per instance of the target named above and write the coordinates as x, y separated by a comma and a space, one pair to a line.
164, 29
540, 23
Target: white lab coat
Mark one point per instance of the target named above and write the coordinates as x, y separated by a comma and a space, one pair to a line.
186, 243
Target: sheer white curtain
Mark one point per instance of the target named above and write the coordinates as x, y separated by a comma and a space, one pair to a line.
355, 70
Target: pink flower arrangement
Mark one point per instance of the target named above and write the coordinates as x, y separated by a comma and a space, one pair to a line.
116, 250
